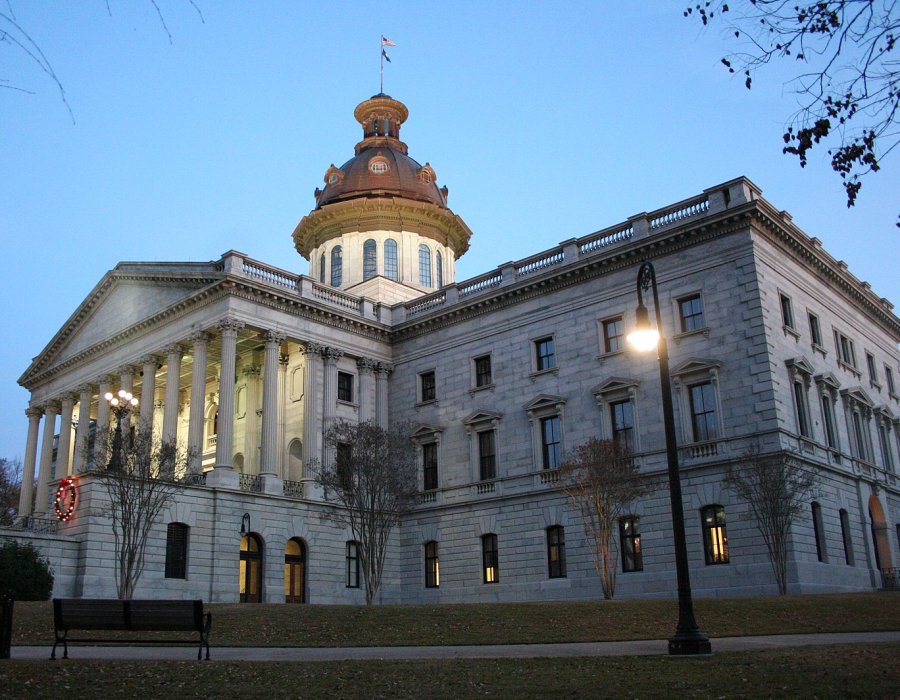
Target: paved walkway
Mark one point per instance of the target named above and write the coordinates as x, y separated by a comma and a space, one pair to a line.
649, 647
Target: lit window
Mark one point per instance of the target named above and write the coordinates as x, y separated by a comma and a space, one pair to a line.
337, 272
622, 418
703, 412
489, 559
424, 265
483, 375
691, 311
294, 571
815, 331
630, 539
787, 311
556, 551
613, 339
439, 268
487, 456
430, 466
345, 387
715, 540
428, 387
352, 565
819, 530
176, 550
847, 537
432, 565
550, 442
545, 357
390, 259
370, 263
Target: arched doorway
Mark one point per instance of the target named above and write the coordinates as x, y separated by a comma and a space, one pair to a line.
251, 569
880, 541
295, 572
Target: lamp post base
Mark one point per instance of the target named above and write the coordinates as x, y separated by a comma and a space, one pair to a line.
690, 645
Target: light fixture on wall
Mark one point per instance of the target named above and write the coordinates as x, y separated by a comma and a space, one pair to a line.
245, 524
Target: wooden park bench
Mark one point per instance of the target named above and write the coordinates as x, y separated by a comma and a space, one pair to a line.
129, 616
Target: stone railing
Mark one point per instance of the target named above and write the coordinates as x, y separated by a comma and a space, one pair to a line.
481, 283
679, 212
890, 579
423, 304
539, 262
29, 523
294, 489
251, 482
702, 450
194, 479
272, 275
485, 487
428, 497
549, 476
605, 238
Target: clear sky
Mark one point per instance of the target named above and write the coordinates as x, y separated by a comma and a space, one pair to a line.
547, 120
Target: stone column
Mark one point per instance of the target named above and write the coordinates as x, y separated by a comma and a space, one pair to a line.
64, 445
382, 371
150, 363
366, 367
198, 401
126, 383
268, 467
224, 474
283, 360
330, 356
173, 378
101, 436
42, 496
82, 432
27, 492
312, 429
252, 413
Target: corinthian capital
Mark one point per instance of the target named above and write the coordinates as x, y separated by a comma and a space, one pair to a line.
149, 360
52, 406
274, 337
201, 337
311, 347
174, 349
34, 412
384, 368
230, 324
366, 365
331, 355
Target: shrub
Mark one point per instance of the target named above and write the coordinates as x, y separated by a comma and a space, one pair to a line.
24, 573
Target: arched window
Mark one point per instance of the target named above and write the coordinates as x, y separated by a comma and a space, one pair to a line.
337, 272
250, 579
176, 550
238, 462
390, 259
439, 269
424, 265
295, 461
370, 266
322, 268
715, 539
294, 572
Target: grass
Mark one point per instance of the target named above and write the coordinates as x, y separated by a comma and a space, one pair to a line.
866, 671
513, 623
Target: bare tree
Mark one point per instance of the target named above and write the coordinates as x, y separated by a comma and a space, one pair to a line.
849, 83
373, 478
140, 483
776, 486
602, 479
10, 486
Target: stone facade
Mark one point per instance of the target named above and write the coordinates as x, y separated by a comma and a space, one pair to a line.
782, 346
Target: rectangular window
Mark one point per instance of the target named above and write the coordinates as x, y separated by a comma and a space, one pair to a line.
630, 541
613, 337
487, 465
551, 446
344, 464
861, 452
787, 311
352, 565
847, 538
490, 559
844, 348
545, 358
828, 422
176, 550
622, 419
345, 387
815, 331
886, 456
819, 530
715, 539
430, 466
432, 565
889, 378
691, 311
556, 551
483, 371
800, 403
703, 412
870, 365
427, 387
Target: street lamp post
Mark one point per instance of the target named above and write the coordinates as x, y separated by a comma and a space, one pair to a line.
120, 404
687, 639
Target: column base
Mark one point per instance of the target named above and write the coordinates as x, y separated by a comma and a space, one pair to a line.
272, 484
690, 646
223, 477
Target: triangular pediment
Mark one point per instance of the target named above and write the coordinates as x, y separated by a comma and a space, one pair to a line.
481, 416
801, 364
828, 379
886, 412
857, 393
425, 430
615, 384
544, 401
695, 364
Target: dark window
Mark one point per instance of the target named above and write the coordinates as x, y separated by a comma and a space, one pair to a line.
345, 387
800, 402
483, 371
489, 559
889, 378
370, 261
787, 311
544, 355
337, 272
886, 456
424, 265
703, 412
176, 550
390, 259
352, 564
844, 348
550, 442
439, 268
874, 540
870, 364
613, 340
432, 565
861, 451
429, 386
556, 551
430, 466
344, 464
815, 331
715, 539
630, 539
622, 416
828, 422
819, 530
691, 310
322, 269
487, 458
848, 538
294, 573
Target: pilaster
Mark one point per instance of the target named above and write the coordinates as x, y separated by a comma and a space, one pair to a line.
269, 443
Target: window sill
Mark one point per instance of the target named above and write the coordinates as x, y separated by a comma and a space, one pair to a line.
486, 387
894, 396
541, 372
705, 331
603, 356
819, 349
849, 368
430, 402
791, 331
351, 404
875, 385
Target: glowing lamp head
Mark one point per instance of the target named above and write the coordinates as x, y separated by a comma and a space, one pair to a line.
108, 396
122, 393
114, 401
133, 401
643, 337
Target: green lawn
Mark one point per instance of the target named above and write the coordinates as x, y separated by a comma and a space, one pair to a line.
867, 671
514, 623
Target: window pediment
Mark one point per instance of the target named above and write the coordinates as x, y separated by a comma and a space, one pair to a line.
886, 413
829, 380
333, 175
481, 416
800, 364
425, 431
615, 384
542, 401
695, 365
858, 394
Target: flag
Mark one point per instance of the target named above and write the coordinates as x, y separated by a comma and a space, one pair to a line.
384, 53
386, 42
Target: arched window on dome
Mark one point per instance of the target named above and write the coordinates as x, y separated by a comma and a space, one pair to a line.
424, 266
439, 269
322, 268
370, 267
337, 272
390, 259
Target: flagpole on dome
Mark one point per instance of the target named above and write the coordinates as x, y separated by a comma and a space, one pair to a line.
384, 42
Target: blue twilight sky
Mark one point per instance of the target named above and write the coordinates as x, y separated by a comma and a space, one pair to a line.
547, 120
